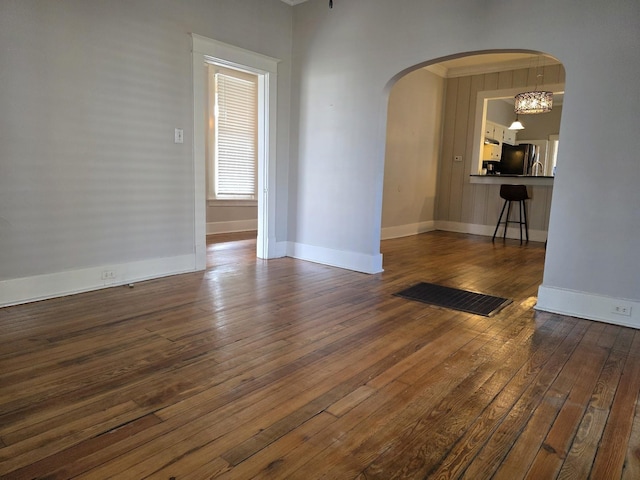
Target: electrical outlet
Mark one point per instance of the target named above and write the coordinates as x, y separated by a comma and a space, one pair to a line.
622, 310
108, 275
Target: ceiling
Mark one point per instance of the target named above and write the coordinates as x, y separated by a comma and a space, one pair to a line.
492, 58
490, 62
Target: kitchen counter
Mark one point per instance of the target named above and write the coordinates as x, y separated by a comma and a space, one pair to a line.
515, 179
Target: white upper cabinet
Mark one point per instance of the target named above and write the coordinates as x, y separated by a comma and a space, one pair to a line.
499, 133
509, 136
491, 133
489, 129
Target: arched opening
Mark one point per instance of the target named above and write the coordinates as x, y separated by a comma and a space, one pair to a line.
435, 133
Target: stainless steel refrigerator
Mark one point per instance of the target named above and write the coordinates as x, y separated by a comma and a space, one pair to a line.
518, 159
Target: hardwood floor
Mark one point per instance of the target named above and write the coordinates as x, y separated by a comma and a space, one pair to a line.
290, 369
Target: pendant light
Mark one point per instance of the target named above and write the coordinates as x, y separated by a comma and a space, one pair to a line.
536, 101
516, 125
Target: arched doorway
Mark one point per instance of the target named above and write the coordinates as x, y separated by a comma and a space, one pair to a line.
432, 131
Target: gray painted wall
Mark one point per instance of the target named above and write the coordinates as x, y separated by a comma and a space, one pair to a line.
538, 127
414, 128
91, 92
345, 59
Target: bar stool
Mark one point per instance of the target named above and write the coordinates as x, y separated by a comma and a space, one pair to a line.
513, 193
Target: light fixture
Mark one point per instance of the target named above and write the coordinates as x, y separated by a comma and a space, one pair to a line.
533, 102
516, 125
536, 101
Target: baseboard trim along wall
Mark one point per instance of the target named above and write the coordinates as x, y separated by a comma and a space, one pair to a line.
557, 300
41, 287
232, 226
357, 262
618, 311
407, 230
487, 230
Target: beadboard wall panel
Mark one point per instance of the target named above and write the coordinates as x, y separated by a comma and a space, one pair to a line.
458, 199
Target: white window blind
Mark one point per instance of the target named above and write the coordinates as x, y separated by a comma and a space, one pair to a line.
236, 125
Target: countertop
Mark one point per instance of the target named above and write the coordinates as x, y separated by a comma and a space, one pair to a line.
521, 179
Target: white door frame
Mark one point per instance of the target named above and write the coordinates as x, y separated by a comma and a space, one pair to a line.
206, 50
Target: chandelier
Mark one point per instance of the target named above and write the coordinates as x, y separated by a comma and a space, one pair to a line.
536, 101
533, 102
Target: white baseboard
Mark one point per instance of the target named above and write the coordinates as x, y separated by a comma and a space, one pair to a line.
358, 262
40, 287
588, 305
232, 226
557, 300
407, 230
278, 249
487, 230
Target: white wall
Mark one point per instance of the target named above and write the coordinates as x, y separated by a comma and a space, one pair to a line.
344, 59
414, 128
91, 91
500, 111
539, 127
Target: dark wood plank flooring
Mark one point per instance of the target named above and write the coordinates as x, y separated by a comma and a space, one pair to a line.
290, 369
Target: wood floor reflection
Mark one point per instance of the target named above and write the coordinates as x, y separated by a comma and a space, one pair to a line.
289, 369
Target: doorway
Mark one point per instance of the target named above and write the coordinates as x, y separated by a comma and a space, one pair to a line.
426, 178
207, 51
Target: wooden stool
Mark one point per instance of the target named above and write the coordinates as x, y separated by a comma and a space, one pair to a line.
513, 193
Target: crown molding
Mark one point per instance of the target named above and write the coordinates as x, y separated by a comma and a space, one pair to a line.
490, 67
438, 69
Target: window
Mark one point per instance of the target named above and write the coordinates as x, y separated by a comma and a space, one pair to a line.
233, 136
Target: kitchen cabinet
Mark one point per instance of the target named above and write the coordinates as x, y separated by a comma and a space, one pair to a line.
489, 129
499, 133
509, 136
493, 132
491, 152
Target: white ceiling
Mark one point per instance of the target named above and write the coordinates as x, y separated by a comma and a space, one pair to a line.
490, 62
487, 58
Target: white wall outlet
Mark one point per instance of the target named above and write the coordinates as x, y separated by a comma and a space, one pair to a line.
178, 136
457, 158
108, 275
621, 309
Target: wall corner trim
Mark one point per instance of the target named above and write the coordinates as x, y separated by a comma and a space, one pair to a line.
587, 305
